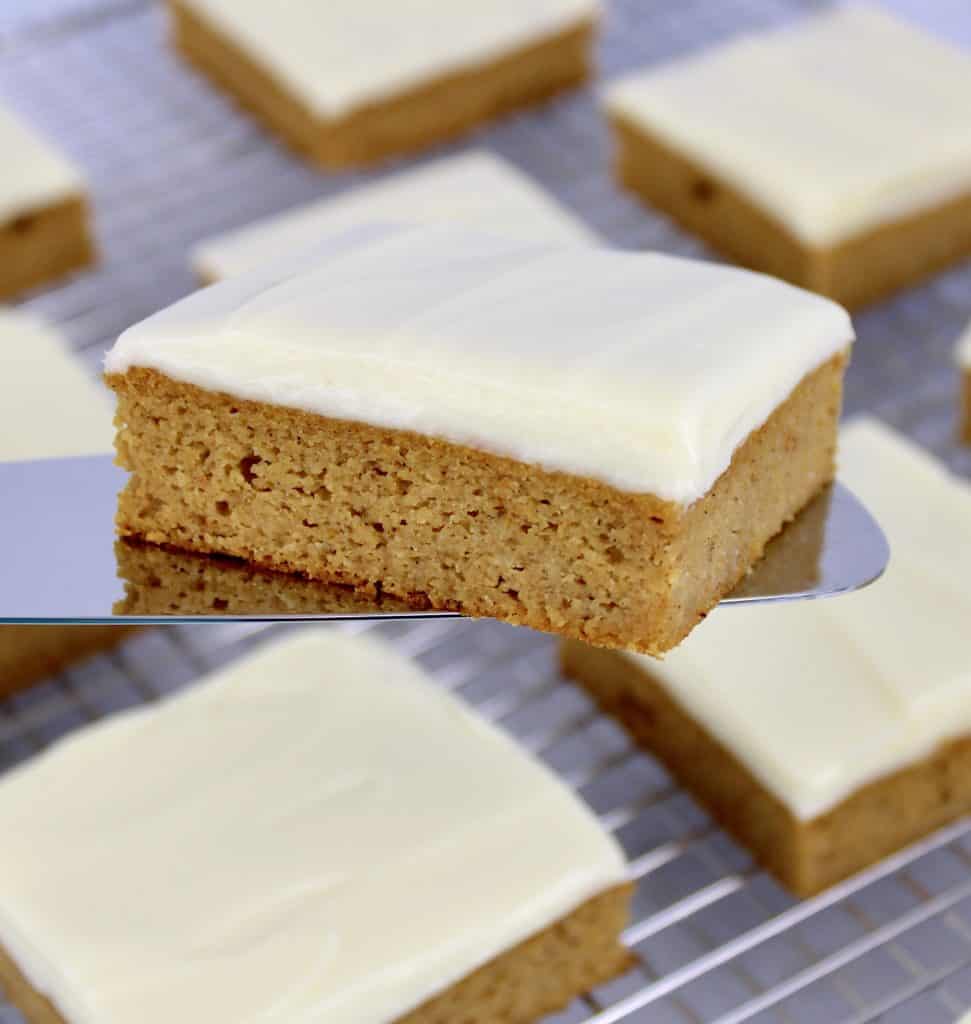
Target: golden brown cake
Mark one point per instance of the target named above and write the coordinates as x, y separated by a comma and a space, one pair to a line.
814, 178
44, 214
349, 85
824, 735
304, 862
49, 407
485, 437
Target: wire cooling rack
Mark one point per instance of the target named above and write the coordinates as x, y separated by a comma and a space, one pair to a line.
172, 161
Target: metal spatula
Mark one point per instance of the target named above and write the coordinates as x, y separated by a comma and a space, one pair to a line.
61, 561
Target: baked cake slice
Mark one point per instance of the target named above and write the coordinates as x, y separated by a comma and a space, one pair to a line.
588, 442
474, 188
833, 152
44, 214
349, 83
963, 355
316, 832
825, 735
49, 408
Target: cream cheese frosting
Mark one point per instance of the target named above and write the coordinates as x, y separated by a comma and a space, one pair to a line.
844, 121
476, 189
963, 350
33, 174
49, 406
638, 369
315, 833
341, 55
819, 698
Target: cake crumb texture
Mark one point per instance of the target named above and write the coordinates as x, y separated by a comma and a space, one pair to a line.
448, 527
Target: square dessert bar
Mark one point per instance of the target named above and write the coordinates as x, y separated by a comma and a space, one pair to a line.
964, 368
316, 832
348, 83
475, 188
49, 407
44, 215
588, 442
833, 152
825, 734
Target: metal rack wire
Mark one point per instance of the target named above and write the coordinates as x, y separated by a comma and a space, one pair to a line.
172, 161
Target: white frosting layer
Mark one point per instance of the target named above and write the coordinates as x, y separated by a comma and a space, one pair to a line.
847, 120
819, 698
49, 407
340, 55
638, 369
33, 174
316, 833
963, 350
476, 189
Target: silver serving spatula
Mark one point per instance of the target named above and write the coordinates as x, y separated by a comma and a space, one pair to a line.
61, 562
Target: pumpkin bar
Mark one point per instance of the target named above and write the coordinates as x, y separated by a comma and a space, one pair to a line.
825, 735
832, 152
347, 83
592, 443
268, 844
